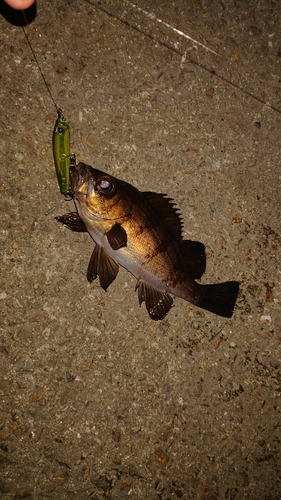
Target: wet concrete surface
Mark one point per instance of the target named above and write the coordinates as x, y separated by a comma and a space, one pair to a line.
97, 400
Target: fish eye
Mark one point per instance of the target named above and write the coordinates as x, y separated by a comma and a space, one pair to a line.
105, 185
59, 131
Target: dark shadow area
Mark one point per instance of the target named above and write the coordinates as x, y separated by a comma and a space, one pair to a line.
18, 17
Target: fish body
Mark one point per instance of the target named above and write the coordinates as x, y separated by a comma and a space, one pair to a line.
142, 231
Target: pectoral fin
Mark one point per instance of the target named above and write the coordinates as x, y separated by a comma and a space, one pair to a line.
158, 304
102, 265
72, 221
117, 237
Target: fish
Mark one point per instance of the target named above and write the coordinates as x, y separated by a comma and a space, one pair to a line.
142, 232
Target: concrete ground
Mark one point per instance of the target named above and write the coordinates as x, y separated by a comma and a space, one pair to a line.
97, 400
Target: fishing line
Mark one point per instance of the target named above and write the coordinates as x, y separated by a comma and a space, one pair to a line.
178, 51
63, 158
153, 17
39, 67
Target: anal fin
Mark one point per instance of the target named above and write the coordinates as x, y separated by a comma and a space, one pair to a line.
158, 304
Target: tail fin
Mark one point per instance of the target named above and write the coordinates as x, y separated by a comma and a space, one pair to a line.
219, 298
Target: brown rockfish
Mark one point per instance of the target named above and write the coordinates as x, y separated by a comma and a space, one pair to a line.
142, 231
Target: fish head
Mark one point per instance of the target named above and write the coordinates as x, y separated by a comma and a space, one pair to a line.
96, 193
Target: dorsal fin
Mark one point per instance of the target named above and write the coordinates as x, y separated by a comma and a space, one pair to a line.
194, 256
167, 212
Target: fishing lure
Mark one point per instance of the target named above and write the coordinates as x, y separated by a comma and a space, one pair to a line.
61, 151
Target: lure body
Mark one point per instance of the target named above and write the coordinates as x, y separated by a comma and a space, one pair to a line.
61, 151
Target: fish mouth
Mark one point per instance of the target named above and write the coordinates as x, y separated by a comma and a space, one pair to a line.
79, 174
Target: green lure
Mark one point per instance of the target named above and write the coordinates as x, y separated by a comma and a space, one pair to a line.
61, 151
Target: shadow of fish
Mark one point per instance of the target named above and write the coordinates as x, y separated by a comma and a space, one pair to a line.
142, 231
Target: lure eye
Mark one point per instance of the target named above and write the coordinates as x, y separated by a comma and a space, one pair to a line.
59, 131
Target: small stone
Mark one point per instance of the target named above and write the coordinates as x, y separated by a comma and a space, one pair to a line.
265, 318
237, 219
127, 482
85, 368
234, 57
46, 333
